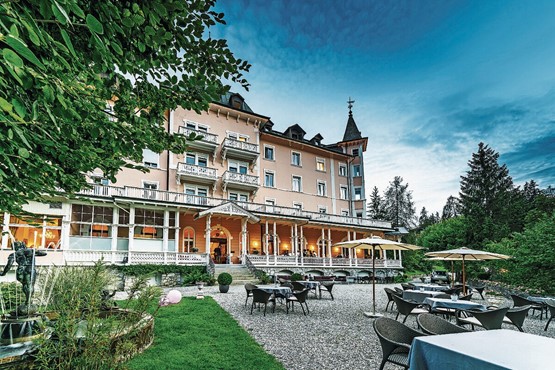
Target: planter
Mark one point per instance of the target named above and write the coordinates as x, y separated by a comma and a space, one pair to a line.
224, 288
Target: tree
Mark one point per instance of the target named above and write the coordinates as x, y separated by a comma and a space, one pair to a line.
63, 60
398, 204
451, 208
487, 198
375, 208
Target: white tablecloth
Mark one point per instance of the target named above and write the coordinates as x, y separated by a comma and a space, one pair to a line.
419, 295
483, 350
458, 304
432, 287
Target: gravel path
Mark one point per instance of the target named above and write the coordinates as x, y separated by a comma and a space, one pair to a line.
335, 335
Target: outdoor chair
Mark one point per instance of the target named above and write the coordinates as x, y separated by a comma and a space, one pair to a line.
480, 289
299, 297
326, 287
297, 287
395, 340
390, 293
399, 291
455, 290
435, 325
442, 296
521, 301
407, 308
516, 316
408, 286
249, 287
467, 297
551, 306
490, 319
261, 297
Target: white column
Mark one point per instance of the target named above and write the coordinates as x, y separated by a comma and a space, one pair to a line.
131, 234
323, 255
165, 234
266, 235
5, 230
114, 241
43, 237
329, 244
243, 238
274, 243
296, 249
292, 238
207, 234
177, 237
303, 246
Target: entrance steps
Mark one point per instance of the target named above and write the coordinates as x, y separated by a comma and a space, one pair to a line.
240, 273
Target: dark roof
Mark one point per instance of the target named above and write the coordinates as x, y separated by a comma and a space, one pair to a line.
227, 101
351, 131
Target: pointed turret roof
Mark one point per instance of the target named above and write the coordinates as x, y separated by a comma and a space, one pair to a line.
351, 131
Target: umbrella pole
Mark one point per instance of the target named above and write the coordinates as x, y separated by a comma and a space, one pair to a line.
452, 275
373, 314
464, 278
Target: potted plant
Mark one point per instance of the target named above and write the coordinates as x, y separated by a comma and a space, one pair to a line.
224, 279
296, 277
194, 249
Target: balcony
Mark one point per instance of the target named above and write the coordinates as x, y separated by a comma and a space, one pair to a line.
196, 174
208, 144
238, 149
240, 181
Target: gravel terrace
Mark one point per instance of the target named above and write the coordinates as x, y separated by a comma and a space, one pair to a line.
335, 335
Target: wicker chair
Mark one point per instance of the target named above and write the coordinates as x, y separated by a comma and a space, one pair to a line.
395, 340
249, 287
390, 293
407, 308
490, 319
297, 287
299, 297
516, 316
435, 325
480, 289
521, 301
467, 297
326, 287
399, 291
262, 297
408, 286
551, 306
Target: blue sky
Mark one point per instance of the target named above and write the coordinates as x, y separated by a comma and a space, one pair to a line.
430, 80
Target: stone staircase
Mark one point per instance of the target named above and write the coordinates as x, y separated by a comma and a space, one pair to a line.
240, 273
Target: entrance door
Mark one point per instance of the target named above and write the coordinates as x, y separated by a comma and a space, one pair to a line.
219, 248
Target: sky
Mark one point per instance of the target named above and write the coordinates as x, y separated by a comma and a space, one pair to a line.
430, 80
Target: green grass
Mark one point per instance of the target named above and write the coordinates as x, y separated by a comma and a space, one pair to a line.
199, 334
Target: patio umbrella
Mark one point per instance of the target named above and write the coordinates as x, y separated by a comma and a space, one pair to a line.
374, 243
466, 254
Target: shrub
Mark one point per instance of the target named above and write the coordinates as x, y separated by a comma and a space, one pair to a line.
263, 277
296, 277
224, 278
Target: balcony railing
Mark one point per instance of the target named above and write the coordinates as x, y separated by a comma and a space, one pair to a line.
191, 170
271, 260
240, 180
204, 202
241, 145
206, 137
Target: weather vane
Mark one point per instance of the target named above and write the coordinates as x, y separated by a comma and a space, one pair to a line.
350, 102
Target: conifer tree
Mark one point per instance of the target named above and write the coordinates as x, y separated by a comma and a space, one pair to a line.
398, 204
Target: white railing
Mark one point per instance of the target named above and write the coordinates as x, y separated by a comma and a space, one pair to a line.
271, 260
182, 198
241, 145
87, 258
198, 171
207, 137
241, 178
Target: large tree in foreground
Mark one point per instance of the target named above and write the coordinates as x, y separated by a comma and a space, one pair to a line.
61, 61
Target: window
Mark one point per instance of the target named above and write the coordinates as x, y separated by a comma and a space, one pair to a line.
55, 205
358, 193
196, 126
196, 194
237, 167
149, 223
356, 170
89, 220
343, 192
321, 186
236, 196
150, 189
355, 152
320, 164
345, 212
238, 137
296, 159
342, 169
297, 185
270, 202
150, 159
322, 209
298, 206
188, 239
269, 152
359, 214
269, 179
100, 184
196, 159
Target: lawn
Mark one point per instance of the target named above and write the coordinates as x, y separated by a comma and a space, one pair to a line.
199, 334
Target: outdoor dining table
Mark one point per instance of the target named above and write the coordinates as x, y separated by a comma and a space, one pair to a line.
276, 289
459, 304
312, 285
432, 287
483, 349
419, 295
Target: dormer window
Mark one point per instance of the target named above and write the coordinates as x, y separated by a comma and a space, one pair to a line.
236, 101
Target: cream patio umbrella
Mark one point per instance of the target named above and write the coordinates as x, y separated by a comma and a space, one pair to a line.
465, 254
374, 243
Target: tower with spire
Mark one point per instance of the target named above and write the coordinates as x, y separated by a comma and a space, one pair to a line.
355, 144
